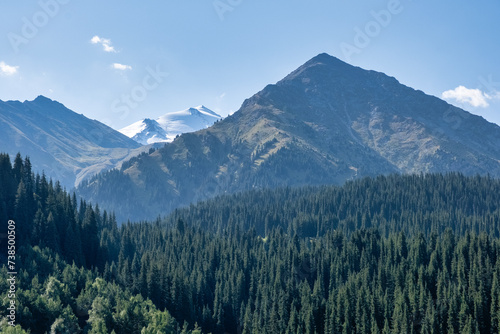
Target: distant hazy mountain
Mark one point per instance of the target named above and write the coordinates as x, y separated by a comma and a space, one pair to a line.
65, 145
324, 123
169, 126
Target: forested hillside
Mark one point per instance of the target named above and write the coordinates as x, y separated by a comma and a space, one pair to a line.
411, 203
363, 283
392, 254
59, 288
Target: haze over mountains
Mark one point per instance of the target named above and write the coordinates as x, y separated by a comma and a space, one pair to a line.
325, 123
69, 147
65, 145
170, 125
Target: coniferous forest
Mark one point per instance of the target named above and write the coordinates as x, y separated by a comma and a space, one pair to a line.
391, 254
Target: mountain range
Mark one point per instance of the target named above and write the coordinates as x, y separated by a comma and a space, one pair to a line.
69, 147
324, 123
170, 125
66, 146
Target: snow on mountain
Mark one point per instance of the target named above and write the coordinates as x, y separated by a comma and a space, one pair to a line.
145, 132
168, 126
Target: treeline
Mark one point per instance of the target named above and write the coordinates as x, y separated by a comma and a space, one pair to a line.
392, 254
47, 215
252, 262
411, 203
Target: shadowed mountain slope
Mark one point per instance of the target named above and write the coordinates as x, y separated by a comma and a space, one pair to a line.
325, 123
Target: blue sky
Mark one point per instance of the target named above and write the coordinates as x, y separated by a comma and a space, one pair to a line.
119, 62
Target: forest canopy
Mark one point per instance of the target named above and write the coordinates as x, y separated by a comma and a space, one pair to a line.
391, 254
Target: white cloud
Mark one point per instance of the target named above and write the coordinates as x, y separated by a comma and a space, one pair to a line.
96, 39
106, 43
7, 70
474, 97
121, 67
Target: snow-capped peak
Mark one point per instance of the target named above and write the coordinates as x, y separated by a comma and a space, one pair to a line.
204, 110
168, 126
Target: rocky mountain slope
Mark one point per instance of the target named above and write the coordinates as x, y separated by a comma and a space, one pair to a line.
325, 123
65, 145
